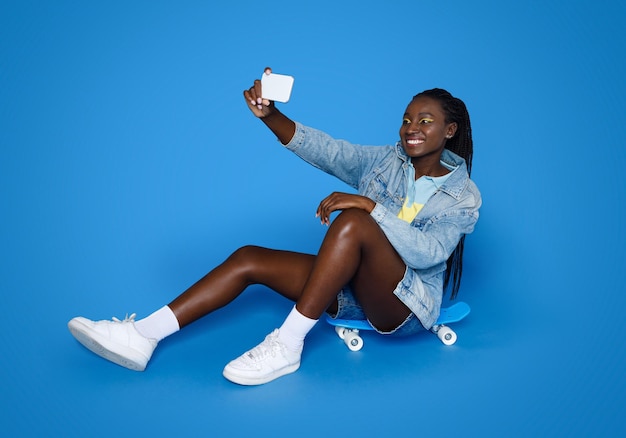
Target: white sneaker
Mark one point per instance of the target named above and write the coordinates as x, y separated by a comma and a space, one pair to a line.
269, 360
117, 341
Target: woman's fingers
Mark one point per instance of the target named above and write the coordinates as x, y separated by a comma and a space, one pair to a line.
253, 96
341, 201
326, 207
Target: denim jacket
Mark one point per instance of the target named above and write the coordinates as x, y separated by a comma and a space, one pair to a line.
379, 172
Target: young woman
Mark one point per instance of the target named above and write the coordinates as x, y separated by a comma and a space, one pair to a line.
387, 257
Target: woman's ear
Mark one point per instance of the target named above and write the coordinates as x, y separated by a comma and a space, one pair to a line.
451, 130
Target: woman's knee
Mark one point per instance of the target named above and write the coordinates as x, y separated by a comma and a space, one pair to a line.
353, 220
246, 258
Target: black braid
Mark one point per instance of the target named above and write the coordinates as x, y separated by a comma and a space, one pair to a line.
462, 145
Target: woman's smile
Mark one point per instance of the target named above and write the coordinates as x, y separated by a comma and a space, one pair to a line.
414, 141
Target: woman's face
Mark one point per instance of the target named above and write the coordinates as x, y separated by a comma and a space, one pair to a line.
424, 130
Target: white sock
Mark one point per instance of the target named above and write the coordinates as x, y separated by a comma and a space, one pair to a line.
158, 325
294, 329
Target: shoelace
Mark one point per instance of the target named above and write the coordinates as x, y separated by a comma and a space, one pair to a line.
269, 346
130, 318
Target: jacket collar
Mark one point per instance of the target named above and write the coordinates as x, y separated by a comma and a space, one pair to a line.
457, 182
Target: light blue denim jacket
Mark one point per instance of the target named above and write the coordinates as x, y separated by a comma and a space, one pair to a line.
379, 172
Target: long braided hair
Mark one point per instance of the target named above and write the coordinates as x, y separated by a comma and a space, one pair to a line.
462, 145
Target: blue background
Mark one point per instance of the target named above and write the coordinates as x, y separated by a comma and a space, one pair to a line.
128, 153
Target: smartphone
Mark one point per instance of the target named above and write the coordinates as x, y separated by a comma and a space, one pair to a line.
276, 87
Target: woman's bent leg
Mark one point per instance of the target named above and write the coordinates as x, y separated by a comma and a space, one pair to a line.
356, 251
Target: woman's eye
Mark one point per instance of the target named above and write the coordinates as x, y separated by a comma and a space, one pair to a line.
406, 122
425, 121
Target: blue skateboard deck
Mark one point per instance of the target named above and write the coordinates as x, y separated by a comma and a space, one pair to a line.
348, 329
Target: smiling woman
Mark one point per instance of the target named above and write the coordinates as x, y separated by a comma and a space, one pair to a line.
431, 123
387, 257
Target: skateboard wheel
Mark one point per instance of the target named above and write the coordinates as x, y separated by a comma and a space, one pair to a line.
341, 332
446, 335
353, 341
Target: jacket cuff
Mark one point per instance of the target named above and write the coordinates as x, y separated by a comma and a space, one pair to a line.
379, 212
297, 139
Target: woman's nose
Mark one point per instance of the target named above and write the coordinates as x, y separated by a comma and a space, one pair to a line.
413, 127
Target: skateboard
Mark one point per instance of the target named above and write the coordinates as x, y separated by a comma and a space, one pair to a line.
348, 329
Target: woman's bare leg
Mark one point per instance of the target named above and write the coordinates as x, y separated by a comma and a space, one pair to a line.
355, 250
282, 271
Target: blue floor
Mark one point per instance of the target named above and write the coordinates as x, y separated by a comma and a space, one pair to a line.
128, 153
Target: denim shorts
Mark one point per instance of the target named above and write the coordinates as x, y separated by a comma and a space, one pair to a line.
349, 308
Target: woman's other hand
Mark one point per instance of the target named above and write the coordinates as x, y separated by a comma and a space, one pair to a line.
342, 201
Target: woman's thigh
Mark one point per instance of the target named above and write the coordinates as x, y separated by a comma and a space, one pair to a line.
380, 270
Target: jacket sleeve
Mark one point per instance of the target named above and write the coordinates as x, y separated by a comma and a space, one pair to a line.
432, 243
339, 158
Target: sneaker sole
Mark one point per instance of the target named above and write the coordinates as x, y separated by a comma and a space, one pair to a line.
250, 381
105, 348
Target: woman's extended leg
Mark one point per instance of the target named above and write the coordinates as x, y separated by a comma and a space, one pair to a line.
130, 343
282, 271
